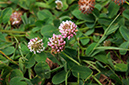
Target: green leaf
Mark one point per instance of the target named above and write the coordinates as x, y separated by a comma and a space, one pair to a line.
31, 35
70, 1
8, 50
24, 48
44, 14
3, 45
126, 13
48, 30
41, 68
112, 29
124, 45
77, 13
104, 21
59, 77
113, 9
90, 48
121, 67
30, 61
90, 24
3, 36
24, 4
2, 58
124, 32
35, 29
101, 57
98, 6
65, 5
85, 41
25, 19
82, 71
89, 32
16, 72
40, 57
6, 13
20, 81
125, 81
7, 69
41, 4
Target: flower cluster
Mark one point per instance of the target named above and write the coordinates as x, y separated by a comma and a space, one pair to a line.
57, 43
15, 18
86, 6
119, 1
67, 29
36, 45
59, 4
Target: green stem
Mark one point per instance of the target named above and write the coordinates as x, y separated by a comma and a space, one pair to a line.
11, 31
104, 35
18, 35
8, 2
89, 62
66, 77
96, 80
71, 59
79, 55
98, 26
81, 22
127, 2
19, 46
90, 37
118, 56
86, 28
8, 58
78, 78
54, 69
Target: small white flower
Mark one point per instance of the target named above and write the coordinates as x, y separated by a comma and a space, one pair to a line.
59, 4
36, 45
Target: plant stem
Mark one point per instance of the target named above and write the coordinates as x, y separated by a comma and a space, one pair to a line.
78, 78
104, 35
118, 56
71, 59
96, 80
8, 2
86, 28
11, 31
19, 46
8, 58
89, 62
66, 77
81, 22
127, 2
54, 69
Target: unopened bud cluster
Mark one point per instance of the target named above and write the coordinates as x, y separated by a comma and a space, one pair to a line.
68, 29
57, 43
36, 45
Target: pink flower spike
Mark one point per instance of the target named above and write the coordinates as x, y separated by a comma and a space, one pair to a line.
67, 29
58, 42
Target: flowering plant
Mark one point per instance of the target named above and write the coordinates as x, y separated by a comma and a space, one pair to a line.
64, 42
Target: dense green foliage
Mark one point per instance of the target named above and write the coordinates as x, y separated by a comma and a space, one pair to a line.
97, 54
